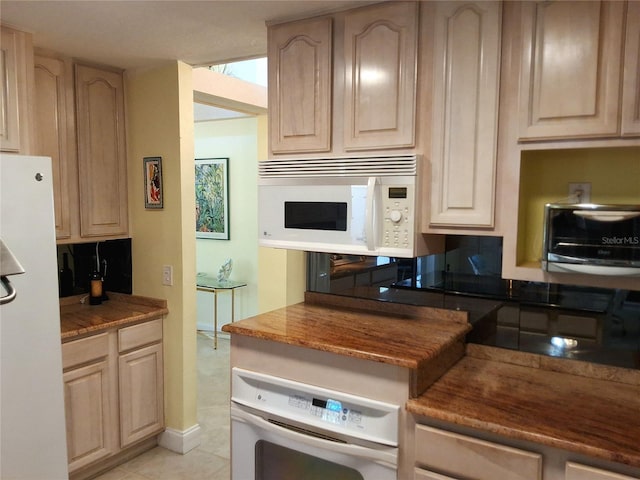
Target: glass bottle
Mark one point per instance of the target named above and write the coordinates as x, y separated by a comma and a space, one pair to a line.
95, 286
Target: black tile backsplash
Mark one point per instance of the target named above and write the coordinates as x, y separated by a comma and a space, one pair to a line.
583, 323
115, 265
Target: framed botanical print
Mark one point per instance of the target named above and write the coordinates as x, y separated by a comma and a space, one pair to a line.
212, 198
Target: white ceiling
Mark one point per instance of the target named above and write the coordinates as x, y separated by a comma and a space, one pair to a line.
205, 113
139, 34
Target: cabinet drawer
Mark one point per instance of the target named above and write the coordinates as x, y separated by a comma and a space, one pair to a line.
467, 457
139, 335
420, 474
575, 471
85, 350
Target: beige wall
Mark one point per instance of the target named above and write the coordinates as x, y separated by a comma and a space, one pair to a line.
281, 273
235, 139
160, 123
614, 174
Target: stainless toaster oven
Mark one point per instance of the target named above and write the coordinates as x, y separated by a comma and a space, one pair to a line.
592, 239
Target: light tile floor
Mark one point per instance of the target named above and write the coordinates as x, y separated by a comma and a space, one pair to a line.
211, 460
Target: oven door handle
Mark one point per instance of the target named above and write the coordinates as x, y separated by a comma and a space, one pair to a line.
387, 458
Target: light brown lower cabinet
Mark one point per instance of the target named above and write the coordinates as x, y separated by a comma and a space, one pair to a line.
471, 458
575, 471
113, 384
88, 406
141, 382
441, 454
421, 474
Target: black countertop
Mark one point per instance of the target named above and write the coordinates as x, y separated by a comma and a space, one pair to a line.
603, 327
586, 299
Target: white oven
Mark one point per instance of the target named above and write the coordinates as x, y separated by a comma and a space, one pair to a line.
286, 430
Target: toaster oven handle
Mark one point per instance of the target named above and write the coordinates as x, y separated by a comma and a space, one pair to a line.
594, 269
606, 216
370, 213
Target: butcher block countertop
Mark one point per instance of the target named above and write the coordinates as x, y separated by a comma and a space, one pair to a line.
426, 340
79, 319
576, 406
396, 334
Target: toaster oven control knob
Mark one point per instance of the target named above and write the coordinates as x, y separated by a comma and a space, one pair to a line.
395, 216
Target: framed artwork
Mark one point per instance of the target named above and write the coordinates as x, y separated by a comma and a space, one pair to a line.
212, 198
153, 194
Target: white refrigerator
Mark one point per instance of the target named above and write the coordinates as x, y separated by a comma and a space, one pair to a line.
32, 424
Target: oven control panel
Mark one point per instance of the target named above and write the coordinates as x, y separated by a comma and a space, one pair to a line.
328, 410
313, 406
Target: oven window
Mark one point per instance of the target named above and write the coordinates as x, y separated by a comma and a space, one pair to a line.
316, 215
274, 462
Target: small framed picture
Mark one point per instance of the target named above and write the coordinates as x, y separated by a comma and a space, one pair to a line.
153, 182
212, 198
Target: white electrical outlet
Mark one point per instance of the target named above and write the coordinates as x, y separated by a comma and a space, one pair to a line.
167, 275
580, 192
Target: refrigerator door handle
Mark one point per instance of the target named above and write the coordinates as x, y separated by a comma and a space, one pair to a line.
11, 292
9, 265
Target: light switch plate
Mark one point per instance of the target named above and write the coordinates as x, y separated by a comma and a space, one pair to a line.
167, 275
580, 192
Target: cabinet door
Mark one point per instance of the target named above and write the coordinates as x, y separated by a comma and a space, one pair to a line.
575, 471
631, 85
141, 394
300, 76
420, 474
101, 152
465, 113
88, 418
571, 64
14, 49
468, 457
52, 140
380, 56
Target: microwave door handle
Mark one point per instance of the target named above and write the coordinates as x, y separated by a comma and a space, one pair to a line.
370, 213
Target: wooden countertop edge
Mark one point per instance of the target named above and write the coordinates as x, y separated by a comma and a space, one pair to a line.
71, 329
132, 320
324, 347
119, 297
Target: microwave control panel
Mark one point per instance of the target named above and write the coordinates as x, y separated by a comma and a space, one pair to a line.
397, 228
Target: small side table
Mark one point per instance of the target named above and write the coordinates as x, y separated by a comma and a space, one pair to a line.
205, 283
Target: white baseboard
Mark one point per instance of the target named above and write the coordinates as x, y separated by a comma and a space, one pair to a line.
180, 442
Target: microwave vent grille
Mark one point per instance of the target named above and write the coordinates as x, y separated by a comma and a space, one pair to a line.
379, 166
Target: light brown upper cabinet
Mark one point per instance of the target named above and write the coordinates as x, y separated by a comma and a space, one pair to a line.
102, 165
300, 86
631, 85
16, 57
573, 64
344, 82
380, 48
55, 136
89, 162
464, 121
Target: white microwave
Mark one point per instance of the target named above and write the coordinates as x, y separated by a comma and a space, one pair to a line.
358, 206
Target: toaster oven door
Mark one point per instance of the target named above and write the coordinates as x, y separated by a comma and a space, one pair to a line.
602, 240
